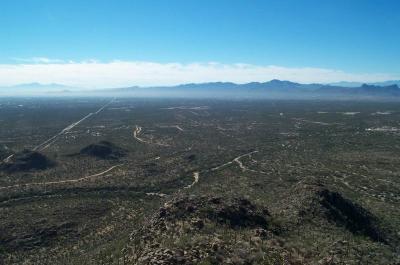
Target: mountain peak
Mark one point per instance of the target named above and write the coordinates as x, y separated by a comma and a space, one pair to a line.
279, 81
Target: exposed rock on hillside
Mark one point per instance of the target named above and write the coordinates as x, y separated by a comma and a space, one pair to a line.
236, 213
190, 230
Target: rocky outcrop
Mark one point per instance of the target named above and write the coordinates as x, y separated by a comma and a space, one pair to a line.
190, 230
236, 212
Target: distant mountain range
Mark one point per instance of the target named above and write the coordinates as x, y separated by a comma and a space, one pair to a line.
271, 89
36, 89
358, 84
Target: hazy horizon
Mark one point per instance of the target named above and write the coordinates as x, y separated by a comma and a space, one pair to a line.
179, 42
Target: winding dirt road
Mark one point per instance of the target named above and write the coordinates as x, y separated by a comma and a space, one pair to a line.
94, 176
196, 177
136, 133
196, 174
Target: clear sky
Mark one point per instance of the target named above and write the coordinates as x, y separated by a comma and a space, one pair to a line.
348, 39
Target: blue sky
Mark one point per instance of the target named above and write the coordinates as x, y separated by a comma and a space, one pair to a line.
353, 37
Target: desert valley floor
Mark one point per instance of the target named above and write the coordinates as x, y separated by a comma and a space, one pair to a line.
181, 181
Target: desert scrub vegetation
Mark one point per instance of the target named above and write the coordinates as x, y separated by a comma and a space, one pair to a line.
279, 182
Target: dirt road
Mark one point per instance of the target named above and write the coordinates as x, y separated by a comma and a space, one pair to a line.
94, 176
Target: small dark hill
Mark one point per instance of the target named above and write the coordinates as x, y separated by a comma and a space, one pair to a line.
315, 202
26, 161
103, 150
4, 152
191, 157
